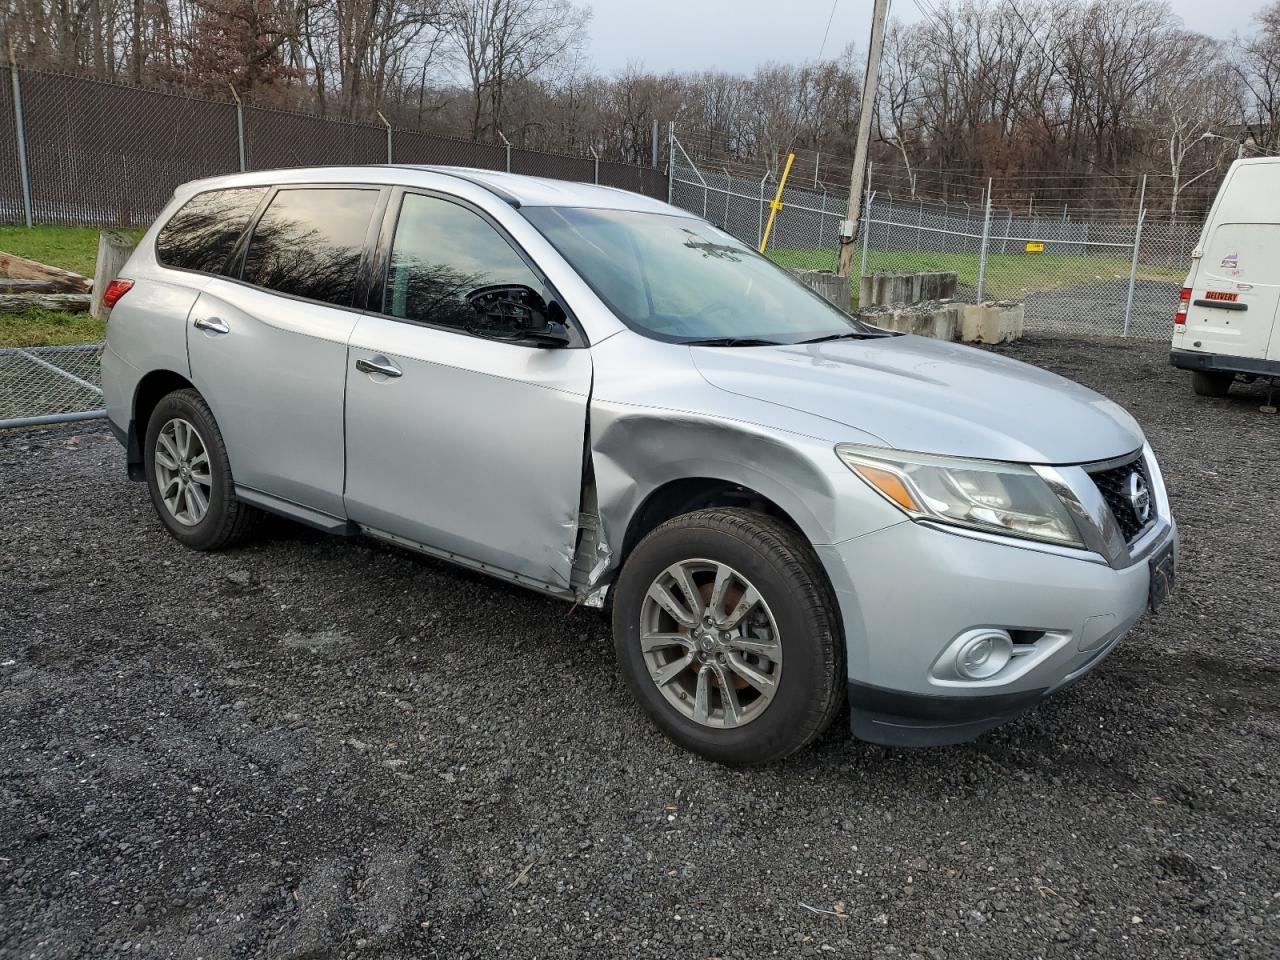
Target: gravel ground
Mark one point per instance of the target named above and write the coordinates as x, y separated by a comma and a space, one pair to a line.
321, 748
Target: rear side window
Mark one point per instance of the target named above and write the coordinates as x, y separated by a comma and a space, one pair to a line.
203, 233
308, 243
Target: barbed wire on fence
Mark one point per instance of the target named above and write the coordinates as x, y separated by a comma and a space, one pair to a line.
1096, 195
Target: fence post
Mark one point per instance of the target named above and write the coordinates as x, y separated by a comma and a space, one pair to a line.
18, 122
760, 226
239, 124
387, 124
595, 160
919, 224
1133, 269
866, 228
506, 143
671, 159
982, 252
728, 189
822, 216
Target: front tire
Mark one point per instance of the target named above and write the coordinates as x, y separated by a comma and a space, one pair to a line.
1207, 384
726, 632
189, 476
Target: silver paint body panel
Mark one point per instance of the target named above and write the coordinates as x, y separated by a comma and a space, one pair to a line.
274, 383
476, 449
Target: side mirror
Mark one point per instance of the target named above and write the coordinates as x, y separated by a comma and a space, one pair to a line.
513, 311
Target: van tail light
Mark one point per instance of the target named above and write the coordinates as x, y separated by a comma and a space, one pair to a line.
1184, 304
115, 290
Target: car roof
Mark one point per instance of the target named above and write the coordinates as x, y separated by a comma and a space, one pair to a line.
515, 188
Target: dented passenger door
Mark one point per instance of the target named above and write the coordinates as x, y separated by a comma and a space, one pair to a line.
468, 446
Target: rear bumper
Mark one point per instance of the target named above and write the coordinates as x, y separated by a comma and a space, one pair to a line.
1223, 363
119, 383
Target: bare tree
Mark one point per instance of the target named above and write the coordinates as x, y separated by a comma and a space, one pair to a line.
1257, 65
1190, 103
503, 42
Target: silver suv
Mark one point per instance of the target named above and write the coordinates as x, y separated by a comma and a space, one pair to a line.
600, 397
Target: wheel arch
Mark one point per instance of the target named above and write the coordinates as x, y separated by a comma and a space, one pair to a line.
687, 494
151, 389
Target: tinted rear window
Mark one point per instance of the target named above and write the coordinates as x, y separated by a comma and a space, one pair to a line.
202, 234
308, 243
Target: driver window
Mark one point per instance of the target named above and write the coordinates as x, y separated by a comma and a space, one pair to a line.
443, 252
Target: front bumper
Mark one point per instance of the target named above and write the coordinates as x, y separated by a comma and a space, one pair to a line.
907, 591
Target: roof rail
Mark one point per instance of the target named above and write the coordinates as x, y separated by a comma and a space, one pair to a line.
454, 172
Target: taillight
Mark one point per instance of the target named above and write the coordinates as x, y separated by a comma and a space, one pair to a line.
115, 290
1184, 304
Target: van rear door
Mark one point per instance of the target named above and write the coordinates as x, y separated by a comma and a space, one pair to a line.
1235, 291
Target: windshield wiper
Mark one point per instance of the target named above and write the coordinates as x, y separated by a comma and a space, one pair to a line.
731, 342
847, 335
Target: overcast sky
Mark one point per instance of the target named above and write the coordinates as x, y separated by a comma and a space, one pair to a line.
722, 34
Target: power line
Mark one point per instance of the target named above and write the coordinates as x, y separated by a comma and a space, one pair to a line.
831, 16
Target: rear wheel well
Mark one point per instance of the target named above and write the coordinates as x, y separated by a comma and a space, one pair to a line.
152, 388
683, 496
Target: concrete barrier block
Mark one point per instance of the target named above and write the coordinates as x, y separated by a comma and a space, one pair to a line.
830, 286
939, 320
883, 289
993, 322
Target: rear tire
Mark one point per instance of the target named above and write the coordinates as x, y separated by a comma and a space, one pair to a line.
1211, 384
728, 717
189, 475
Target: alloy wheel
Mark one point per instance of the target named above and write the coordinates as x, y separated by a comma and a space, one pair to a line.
710, 643
182, 471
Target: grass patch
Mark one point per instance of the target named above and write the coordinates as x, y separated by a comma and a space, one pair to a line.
71, 248
37, 327
1009, 275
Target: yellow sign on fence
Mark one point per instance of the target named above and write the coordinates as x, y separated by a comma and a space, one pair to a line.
1035, 246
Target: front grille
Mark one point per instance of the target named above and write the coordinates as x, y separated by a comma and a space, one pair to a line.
1114, 485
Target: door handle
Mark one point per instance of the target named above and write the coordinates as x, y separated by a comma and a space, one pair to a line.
378, 365
211, 324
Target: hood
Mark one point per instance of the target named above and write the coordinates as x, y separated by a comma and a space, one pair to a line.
929, 396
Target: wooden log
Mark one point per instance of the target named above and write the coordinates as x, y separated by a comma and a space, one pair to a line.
114, 248
20, 268
67, 302
27, 286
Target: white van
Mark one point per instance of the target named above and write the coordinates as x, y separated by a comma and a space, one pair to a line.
1226, 320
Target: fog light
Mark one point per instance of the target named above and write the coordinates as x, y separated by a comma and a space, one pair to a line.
984, 655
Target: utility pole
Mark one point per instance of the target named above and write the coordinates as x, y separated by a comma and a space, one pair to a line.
869, 85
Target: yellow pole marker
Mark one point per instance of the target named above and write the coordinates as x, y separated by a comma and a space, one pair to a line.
776, 203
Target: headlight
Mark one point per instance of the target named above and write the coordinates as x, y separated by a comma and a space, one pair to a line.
1006, 498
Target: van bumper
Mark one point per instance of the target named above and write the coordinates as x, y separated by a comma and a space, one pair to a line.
909, 593
1223, 363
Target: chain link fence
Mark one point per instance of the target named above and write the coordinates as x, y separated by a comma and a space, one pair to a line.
40, 385
1114, 277
80, 151
103, 153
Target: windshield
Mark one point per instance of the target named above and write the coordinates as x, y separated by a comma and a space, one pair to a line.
684, 281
